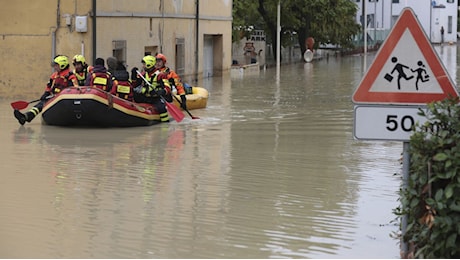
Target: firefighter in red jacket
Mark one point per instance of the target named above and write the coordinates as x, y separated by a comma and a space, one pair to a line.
149, 92
172, 77
59, 80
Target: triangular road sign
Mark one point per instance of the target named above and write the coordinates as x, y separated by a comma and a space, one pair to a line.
406, 70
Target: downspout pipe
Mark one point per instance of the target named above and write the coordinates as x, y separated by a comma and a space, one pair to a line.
197, 38
161, 34
53, 43
94, 43
54, 31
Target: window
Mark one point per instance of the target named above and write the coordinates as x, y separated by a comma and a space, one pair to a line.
258, 35
394, 18
180, 56
395, 1
449, 24
150, 50
450, 1
119, 50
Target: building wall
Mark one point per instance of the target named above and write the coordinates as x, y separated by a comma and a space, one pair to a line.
35, 31
32, 32
157, 25
431, 15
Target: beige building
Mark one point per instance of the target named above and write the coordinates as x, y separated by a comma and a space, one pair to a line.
195, 36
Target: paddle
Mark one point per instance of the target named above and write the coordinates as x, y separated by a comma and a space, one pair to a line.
172, 109
18, 105
186, 110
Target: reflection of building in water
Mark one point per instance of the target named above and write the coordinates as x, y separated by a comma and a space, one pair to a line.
448, 56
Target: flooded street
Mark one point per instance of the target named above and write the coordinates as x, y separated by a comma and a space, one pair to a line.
269, 171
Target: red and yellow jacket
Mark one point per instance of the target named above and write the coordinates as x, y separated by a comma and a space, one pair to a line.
60, 80
174, 79
157, 80
122, 86
99, 78
83, 75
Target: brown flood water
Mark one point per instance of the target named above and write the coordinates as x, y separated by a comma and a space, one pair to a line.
269, 171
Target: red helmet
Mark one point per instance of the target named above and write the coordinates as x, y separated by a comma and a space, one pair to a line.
162, 57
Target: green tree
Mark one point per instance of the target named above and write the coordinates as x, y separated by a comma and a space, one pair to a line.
327, 21
245, 19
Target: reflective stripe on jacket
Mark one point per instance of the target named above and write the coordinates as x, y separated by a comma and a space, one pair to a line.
81, 77
157, 81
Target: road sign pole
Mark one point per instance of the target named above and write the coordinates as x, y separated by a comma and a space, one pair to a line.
405, 185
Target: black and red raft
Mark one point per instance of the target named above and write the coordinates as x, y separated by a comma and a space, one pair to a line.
92, 107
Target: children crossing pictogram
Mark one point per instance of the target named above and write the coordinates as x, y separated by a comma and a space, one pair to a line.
406, 70
421, 74
399, 68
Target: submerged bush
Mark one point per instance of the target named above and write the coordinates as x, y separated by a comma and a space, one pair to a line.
432, 198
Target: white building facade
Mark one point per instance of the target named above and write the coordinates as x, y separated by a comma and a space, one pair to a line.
433, 14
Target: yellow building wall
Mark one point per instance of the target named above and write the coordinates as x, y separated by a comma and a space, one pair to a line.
157, 24
32, 32
29, 31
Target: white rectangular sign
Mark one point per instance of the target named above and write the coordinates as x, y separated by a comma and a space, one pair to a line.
386, 122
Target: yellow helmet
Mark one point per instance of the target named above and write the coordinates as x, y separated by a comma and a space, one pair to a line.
79, 58
149, 61
62, 61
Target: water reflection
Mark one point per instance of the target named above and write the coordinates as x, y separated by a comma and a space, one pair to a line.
448, 56
269, 171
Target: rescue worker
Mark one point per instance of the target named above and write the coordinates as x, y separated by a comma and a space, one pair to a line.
59, 80
158, 85
122, 86
100, 78
173, 78
80, 69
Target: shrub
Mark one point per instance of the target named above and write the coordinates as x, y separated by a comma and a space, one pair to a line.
432, 198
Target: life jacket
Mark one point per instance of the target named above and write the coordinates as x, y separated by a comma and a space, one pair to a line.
100, 80
59, 81
174, 80
152, 78
122, 87
81, 77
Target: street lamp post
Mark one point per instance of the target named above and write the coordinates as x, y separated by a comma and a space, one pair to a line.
278, 40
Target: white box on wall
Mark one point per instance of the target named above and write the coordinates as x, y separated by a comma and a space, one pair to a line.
81, 23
